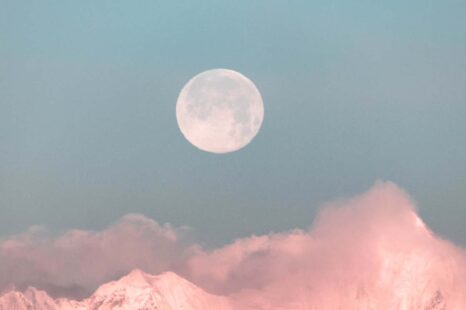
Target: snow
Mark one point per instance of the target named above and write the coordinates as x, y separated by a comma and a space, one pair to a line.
136, 290
168, 291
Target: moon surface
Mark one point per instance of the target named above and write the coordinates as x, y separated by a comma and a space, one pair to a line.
220, 111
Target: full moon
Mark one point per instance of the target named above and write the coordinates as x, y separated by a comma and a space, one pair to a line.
219, 111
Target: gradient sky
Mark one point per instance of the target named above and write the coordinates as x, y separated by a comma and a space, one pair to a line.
353, 91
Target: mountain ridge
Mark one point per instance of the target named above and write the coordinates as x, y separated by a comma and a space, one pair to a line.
136, 290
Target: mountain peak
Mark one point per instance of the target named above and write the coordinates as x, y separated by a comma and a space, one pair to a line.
139, 278
164, 291
136, 276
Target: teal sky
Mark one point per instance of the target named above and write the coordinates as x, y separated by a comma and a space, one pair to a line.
354, 91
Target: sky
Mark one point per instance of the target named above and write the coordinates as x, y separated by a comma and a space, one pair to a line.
354, 92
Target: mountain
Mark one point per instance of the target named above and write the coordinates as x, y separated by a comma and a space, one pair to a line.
168, 291
137, 290
405, 282
30, 299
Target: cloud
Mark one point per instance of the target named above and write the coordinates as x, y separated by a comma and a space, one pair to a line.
371, 251
75, 263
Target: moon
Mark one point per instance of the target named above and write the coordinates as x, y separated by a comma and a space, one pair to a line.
219, 111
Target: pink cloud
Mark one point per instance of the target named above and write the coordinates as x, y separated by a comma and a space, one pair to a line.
371, 251
76, 262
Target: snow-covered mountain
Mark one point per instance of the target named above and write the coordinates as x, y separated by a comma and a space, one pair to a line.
137, 290
168, 291
30, 299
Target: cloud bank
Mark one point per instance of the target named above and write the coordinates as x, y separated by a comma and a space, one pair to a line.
371, 251
75, 263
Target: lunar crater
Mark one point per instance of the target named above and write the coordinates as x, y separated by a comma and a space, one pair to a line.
219, 111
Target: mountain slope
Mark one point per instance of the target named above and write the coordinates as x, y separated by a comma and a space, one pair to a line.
30, 299
166, 291
137, 290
